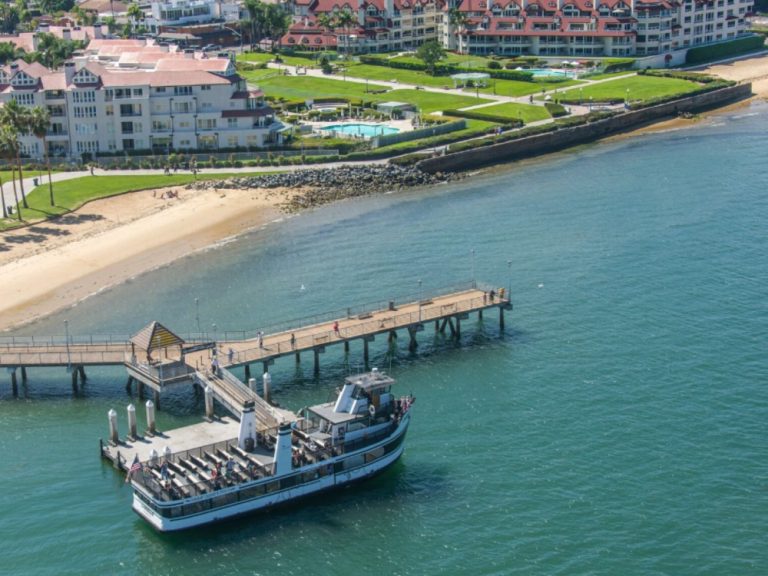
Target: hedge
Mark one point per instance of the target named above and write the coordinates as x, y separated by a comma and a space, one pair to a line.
617, 65
724, 49
555, 110
711, 86
680, 75
472, 115
448, 69
533, 130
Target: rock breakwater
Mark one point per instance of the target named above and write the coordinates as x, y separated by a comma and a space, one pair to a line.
323, 185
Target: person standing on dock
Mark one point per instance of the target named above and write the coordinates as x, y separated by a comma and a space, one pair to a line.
293, 340
261, 339
230, 355
336, 328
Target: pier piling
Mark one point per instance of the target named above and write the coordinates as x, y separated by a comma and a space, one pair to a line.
247, 372
113, 437
132, 433
23, 374
150, 418
14, 384
209, 403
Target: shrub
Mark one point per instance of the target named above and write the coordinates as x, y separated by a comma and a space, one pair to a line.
724, 49
555, 110
617, 64
478, 115
493, 65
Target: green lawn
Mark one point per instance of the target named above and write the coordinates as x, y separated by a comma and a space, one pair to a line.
304, 88
269, 57
429, 102
525, 112
634, 88
257, 76
71, 194
517, 88
415, 77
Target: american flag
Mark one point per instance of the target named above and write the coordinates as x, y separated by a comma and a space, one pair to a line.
135, 467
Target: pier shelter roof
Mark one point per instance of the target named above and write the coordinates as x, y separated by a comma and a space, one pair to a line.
155, 336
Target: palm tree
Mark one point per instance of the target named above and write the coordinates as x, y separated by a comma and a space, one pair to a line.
135, 13
15, 117
38, 124
256, 15
344, 19
9, 144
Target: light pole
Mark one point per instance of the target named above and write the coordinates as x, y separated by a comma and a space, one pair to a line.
581, 96
66, 336
420, 299
2, 199
509, 293
474, 284
626, 100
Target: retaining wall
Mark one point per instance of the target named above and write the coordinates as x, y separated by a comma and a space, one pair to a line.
566, 137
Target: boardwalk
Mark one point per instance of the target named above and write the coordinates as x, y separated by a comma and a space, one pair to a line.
159, 359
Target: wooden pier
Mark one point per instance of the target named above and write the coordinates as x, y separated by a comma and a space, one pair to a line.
158, 358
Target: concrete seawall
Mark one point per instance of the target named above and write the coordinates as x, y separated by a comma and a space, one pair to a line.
566, 137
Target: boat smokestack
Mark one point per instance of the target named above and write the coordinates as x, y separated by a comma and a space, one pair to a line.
283, 453
247, 434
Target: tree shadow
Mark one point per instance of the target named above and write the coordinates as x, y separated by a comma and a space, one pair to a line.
49, 231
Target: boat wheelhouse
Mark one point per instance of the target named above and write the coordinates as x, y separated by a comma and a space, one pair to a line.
327, 445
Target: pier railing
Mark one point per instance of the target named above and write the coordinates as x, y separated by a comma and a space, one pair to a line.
12, 343
161, 373
379, 324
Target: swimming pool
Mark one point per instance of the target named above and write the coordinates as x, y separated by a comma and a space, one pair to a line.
548, 72
367, 130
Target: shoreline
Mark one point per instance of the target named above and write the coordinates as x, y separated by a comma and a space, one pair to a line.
112, 240
54, 265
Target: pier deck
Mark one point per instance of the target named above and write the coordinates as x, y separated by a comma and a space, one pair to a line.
192, 362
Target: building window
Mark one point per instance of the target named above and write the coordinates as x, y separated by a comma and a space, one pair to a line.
205, 87
231, 122
138, 92
232, 142
25, 99
83, 97
182, 90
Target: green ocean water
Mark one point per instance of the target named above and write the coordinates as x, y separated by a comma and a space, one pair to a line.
617, 426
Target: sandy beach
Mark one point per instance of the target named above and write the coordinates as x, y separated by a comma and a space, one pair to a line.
49, 266
52, 265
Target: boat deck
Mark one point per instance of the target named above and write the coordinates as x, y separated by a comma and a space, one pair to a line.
179, 440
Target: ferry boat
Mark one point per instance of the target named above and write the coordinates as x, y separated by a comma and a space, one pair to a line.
328, 445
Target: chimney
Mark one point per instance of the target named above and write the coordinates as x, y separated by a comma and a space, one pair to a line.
69, 72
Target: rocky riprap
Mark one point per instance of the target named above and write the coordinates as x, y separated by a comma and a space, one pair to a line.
325, 185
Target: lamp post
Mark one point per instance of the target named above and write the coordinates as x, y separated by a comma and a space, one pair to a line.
626, 100
474, 284
420, 299
581, 96
2, 199
66, 336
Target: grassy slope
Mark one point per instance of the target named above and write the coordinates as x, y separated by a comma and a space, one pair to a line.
640, 88
525, 112
71, 194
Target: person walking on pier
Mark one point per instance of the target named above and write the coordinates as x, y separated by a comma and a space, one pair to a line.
230, 355
336, 328
293, 340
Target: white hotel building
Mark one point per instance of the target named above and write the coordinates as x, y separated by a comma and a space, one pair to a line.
129, 96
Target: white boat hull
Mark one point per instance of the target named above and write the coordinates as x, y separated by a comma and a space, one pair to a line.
328, 481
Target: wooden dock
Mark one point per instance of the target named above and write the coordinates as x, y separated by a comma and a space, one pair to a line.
159, 359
